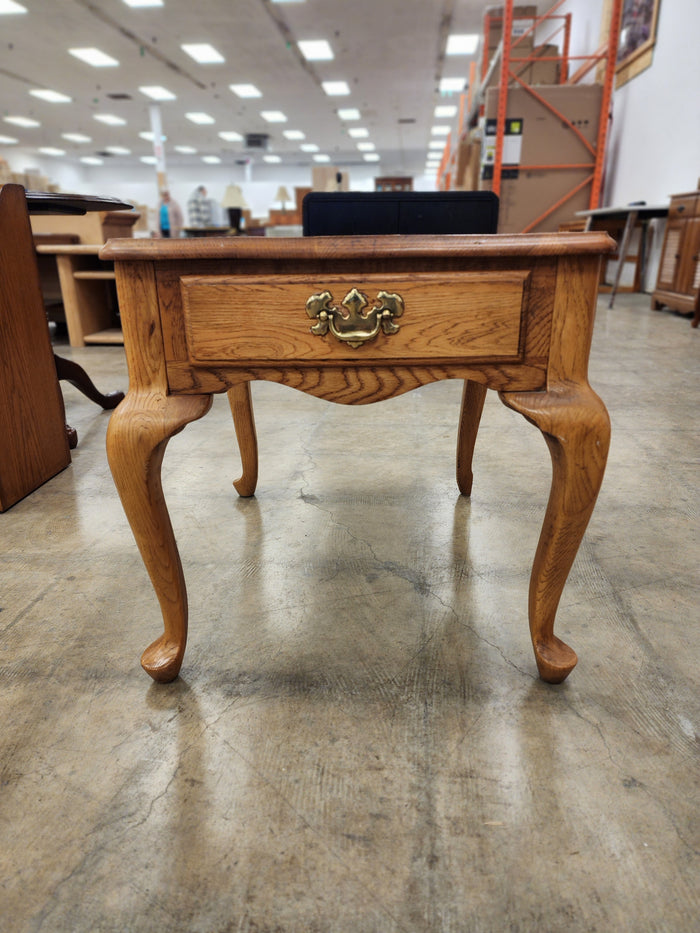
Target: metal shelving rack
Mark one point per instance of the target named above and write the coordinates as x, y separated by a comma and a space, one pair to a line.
507, 60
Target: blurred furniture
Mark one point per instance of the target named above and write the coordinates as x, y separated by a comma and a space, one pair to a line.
206, 231
35, 438
632, 216
86, 283
358, 320
678, 281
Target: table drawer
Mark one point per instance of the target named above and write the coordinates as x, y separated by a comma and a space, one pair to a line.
427, 316
683, 207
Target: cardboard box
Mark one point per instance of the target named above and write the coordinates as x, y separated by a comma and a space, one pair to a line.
468, 161
532, 72
536, 136
523, 18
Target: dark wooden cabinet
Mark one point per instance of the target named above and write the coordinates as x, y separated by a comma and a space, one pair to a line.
678, 281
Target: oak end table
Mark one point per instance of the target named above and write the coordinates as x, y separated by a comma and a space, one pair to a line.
357, 320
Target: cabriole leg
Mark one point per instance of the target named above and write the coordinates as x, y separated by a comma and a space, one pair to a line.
241, 402
576, 427
473, 398
138, 433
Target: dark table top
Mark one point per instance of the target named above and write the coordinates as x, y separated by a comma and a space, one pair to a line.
48, 202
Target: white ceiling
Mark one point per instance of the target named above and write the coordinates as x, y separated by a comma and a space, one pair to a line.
390, 52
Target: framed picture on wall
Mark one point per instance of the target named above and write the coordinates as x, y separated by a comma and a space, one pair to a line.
637, 37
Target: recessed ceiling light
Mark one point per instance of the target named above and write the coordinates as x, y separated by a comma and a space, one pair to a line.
462, 44
7, 140
149, 137
53, 97
273, 116
231, 136
51, 151
335, 88
288, 1
245, 90
309, 147
315, 50
272, 158
185, 150
294, 134
211, 160
358, 132
137, 3
321, 158
94, 57
92, 160
149, 160
452, 85
366, 147
436, 144
371, 157
76, 137
440, 131
349, 113
200, 118
22, 121
203, 53
9, 6
110, 119
445, 111
156, 92
118, 150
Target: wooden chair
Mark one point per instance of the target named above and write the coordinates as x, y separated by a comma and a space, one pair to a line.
35, 438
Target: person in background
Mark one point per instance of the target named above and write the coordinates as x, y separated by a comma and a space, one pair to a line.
199, 208
169, 216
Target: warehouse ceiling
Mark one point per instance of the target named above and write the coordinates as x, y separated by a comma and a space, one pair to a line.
391, 54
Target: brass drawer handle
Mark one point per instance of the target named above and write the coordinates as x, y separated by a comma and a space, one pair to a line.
355, 326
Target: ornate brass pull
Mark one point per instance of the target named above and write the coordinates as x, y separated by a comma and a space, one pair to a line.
355, 326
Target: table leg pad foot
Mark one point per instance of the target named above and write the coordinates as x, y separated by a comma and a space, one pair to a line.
555, 660
162, 660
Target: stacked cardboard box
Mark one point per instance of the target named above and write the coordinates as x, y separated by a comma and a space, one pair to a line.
536, 136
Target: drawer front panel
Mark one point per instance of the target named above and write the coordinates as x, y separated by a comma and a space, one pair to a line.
449, 316
683, 207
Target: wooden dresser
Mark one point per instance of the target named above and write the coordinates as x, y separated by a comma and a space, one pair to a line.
678, 282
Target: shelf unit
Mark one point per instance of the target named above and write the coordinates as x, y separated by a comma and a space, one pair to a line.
509, 65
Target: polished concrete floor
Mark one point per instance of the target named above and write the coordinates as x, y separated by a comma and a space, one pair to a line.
358, 741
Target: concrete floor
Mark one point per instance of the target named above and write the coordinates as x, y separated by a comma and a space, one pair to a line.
359, 741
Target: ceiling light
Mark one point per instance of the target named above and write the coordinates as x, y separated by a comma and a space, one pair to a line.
7, 140
273, 116
211, 160
294, 134
203, 53
272, 158
349, 113
309, 147
436, 144
231, 136
76, 137
138, 3
200, 118
445, 111
335, 88
117, 150
462, 45
94, 57
149, 160
9, 6
22, 121
321, 158
288, 1
92, 160
53, 97
440, 131
316, 50
185, 150
452, 85
245, 90
366, 147
110, 119
371, 157
156, 92
51, 151
358, 132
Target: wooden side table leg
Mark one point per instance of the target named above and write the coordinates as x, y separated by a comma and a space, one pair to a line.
576, 427
241, 402
473, 398
137, 435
